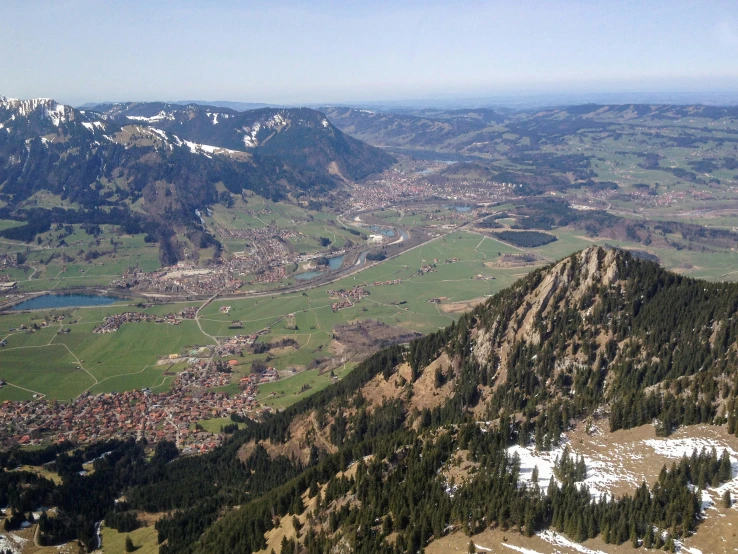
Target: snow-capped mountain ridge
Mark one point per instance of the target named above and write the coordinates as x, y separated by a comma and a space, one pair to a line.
76, 154
48, 107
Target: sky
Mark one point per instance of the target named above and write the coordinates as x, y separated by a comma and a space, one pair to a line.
326, 51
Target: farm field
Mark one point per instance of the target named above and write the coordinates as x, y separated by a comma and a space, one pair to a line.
62, 366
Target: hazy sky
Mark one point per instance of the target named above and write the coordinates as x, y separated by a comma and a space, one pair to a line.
326, 51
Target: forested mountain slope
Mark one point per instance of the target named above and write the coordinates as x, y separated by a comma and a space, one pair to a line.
599, 335
415, 442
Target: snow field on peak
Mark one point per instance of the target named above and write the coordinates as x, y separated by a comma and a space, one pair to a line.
52, 110
162, 115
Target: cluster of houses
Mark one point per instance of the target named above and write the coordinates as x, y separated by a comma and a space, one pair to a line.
113, 322
271, 275
383, 283
173, 415
347, 297
268, 376
233, 346
180, 279
258, 233
398, 185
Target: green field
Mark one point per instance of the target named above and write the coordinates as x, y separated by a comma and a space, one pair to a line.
281, 394
62, 366
145, 540
9, 224
60, 260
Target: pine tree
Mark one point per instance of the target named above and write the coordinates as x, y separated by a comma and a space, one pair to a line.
726, 471
727, 500
129, 545
648, 538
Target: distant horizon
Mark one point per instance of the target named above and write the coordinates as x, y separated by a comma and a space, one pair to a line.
523, 100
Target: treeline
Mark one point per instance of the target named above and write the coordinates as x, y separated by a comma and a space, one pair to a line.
263, 347
397, 492
80, 500
40, 220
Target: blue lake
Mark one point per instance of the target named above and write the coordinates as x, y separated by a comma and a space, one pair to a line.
307, 275
49, 301
333, 263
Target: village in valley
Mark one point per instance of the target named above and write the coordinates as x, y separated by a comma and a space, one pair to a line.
270, 250
273, 308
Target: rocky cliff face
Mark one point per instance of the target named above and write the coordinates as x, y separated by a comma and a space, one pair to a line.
560, 288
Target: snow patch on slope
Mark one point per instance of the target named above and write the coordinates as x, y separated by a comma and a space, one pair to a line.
249, 139
12, 543
677, 448
277, 120
601, 474
162, 135
204, 149
560, 540
162, 115
519, 549
530, 458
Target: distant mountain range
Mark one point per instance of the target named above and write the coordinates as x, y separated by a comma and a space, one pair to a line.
464, 131
238, 106
168, 160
